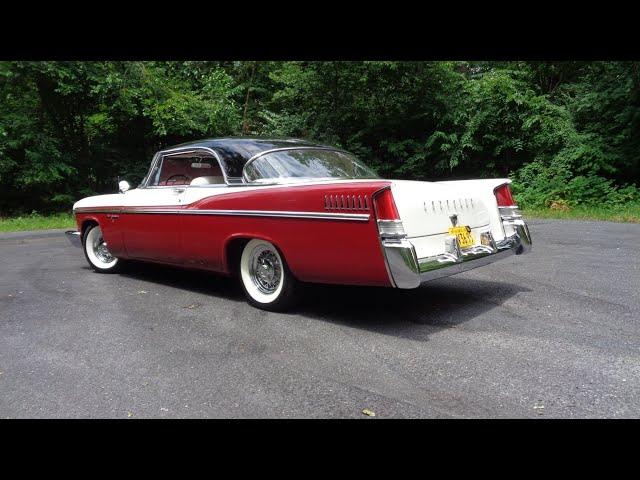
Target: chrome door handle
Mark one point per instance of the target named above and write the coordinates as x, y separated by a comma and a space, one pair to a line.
178, 190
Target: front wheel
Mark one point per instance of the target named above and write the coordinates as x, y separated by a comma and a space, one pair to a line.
266, 279
97, 253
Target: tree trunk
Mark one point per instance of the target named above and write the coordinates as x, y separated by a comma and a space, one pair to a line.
245, 118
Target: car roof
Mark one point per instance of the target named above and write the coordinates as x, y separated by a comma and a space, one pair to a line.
234, 152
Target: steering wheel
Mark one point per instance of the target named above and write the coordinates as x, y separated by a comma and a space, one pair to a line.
175, 178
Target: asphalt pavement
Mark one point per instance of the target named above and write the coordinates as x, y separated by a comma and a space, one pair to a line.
555, 333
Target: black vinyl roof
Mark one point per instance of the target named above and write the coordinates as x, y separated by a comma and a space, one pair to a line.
235, 151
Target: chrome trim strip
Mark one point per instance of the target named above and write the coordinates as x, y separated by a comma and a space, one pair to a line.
96, 210
282, 214
359, 217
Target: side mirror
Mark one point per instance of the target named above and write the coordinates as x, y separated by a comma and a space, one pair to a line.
123, 186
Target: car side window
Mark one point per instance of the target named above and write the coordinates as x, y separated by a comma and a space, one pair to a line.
186, 169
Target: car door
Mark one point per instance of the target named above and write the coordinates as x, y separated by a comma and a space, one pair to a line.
150, 223
150, 219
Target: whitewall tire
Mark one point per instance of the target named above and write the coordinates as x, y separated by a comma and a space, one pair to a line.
265, 276
96, 251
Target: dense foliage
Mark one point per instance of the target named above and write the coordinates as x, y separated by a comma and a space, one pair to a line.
568, 133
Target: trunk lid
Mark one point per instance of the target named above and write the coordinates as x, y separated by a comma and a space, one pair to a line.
426, 208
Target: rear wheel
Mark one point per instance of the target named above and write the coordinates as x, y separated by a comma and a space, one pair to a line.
97, 253
266, 279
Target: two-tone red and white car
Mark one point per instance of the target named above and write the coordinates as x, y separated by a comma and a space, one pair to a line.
279, 212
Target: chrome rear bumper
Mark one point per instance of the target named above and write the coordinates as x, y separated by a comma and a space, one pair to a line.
409, 271
74, 238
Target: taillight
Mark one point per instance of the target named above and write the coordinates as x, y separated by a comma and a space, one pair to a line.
389, 224
384, 205
503, 196
506, 205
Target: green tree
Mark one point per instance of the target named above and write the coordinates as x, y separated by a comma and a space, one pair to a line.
566, 132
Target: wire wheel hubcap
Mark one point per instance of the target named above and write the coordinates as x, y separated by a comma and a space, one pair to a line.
101, 251
265, 269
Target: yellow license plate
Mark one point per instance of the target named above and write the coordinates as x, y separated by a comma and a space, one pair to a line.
465, 239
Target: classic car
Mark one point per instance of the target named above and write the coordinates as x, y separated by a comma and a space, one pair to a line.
277, 212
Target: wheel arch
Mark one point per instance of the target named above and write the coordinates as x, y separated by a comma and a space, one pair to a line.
86, 223
234, 244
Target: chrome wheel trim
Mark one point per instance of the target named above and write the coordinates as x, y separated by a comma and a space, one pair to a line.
265, 269
262, 271
97, 250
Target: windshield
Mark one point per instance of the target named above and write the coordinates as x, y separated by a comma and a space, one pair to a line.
306, 163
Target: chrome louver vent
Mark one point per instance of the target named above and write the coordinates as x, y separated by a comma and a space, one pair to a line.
347, 202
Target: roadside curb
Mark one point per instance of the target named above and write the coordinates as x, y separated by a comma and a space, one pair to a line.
33, 234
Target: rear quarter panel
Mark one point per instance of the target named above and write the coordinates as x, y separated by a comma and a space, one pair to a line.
316, 250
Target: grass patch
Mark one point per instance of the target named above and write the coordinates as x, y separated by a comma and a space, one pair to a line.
626, 213
37, 222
